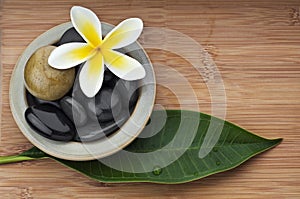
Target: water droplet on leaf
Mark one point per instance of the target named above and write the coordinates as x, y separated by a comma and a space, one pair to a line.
215, 149
218, 163
157, 170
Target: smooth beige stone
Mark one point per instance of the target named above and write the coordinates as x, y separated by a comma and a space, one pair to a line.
44, 81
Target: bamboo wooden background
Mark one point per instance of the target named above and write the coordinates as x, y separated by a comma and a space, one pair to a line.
256, 46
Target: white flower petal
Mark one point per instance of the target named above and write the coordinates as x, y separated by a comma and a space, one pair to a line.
69, 55
91, 75
123, 34
123, 66
87, 24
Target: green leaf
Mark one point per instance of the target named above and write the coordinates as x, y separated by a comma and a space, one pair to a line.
31, 154
199, 144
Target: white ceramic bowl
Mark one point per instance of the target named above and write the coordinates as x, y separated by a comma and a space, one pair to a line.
76, 150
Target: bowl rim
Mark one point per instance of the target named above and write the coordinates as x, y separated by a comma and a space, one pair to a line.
78, 151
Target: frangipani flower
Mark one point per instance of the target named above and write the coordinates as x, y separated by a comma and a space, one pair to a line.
97, 52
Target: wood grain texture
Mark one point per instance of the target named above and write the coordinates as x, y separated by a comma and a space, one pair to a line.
256, 46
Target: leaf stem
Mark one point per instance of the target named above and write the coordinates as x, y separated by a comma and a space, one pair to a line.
14, 158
